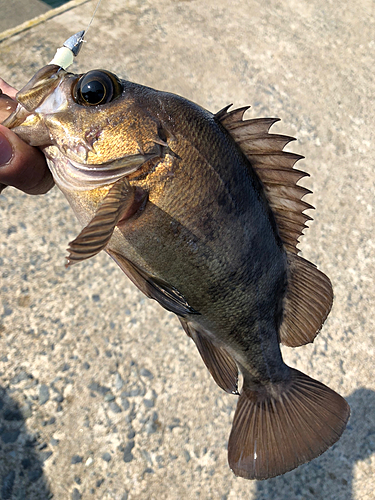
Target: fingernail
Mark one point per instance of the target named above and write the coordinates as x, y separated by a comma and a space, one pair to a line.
6, 150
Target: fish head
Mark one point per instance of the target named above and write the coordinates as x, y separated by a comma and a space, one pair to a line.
91, 127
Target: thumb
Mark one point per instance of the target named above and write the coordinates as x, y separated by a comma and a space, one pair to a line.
21, 165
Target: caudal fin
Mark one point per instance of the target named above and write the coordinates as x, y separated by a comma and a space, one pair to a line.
278, 427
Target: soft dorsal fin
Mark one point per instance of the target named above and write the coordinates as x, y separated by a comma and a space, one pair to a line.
274, 168
309, 294
307, 302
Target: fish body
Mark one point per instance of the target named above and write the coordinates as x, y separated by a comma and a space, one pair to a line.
203, 213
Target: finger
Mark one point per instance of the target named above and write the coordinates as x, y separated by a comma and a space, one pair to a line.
22, 166
7, 106
7, 89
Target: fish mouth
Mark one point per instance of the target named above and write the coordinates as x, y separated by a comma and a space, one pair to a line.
71, 175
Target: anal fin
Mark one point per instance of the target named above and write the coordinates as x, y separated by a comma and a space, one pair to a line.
279, 426
307, 303
219, 362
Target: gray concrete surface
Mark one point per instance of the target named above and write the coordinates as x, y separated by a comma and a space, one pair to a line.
16, 12
19, 11
102, 394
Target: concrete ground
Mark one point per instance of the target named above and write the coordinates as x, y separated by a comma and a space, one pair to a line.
102, 396
17, 12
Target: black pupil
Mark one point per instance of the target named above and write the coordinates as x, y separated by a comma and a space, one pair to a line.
93, 92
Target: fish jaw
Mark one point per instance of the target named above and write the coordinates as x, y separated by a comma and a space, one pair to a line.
34, 100
49, 112
29, 127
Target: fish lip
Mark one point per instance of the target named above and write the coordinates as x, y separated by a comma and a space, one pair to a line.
72, 175
140, 200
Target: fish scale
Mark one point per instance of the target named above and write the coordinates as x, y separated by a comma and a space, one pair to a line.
203, 213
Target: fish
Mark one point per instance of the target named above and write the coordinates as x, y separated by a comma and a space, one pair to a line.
203, 212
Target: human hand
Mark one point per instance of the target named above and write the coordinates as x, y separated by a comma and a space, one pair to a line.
21, 165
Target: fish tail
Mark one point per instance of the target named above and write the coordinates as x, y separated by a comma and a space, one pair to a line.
279, 426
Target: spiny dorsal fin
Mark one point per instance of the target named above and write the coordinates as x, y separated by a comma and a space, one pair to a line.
274, 168
307, 302
228, 118
309, 294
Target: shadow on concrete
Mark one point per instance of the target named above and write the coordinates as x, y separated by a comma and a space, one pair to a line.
21, 455
331, 475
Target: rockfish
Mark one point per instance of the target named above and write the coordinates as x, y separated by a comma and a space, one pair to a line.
203, 213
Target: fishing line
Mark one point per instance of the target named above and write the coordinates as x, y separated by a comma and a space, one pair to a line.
65, 55
96, 8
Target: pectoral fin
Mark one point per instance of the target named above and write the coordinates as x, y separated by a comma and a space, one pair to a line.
154, 288
121, 202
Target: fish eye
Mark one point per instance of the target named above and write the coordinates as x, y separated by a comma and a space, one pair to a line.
96, 87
